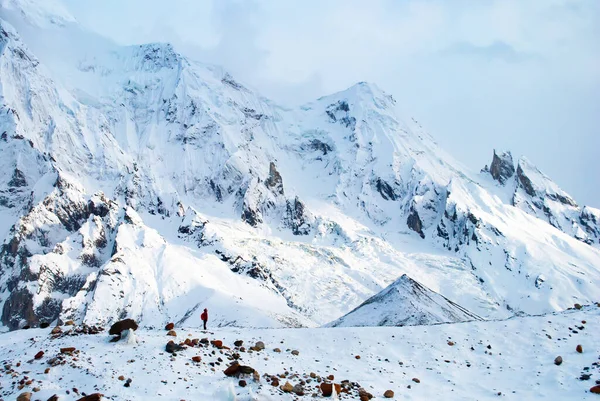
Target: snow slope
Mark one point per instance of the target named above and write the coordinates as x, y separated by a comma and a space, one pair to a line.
136, 175
510, 359
405, 302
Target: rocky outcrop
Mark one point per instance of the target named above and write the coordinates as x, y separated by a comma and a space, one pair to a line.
414, 223
274, 181
502, 167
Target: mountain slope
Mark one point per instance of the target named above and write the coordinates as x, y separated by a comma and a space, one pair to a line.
317, 208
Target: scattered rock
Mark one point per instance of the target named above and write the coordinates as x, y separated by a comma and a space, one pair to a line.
577, 306
331, 377
67, 350
92, 397
171, 347
233, 369
276, 350
295, 352
585, 376
275, 383
558, 360
357, 357
170, 326
242, 383
583, 322
69, 323
56, 330
44, 325
595, 390
287, 387
259, 346
172, 333
238, 343
121, 378
39, 355
450, 343
127, 383
326, 389
298, 389
416, 380
196, 359
579, 348
26, 396
53, 398
388, 394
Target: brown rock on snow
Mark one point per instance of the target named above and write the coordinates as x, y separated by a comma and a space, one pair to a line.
172, 333
238, 343
233, 369
217, 343
56, 330
558, 360
595, 390
416, 380
121, 378
295, 352
121, 326
242, 383
577, 306
357, 357
579, 348
287, 387
196, 359
388, 394
92, 397
53, 398
39, 355
26, 396
451, 343
69, 323
326, 389
170, 326
67, 350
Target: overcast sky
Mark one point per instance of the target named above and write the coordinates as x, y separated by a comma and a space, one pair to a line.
521, 75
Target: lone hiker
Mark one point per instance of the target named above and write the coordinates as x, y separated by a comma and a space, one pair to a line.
204, 317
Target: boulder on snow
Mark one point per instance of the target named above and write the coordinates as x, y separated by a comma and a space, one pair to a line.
39, 355
388, 394
171, 347
233, 369
121, 326
172, 333
595, 390
287, 387
579, 348
558, 360
217, 343
170, 326
238, 343
26, 396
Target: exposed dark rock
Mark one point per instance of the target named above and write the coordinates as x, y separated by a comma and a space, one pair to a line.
414, 223
18, 179
316, 144
251, 216
19, 307
525, 182
502, 167
385, 190
274, 181
296, 217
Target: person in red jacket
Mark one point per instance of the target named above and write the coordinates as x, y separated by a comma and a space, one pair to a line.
204, 317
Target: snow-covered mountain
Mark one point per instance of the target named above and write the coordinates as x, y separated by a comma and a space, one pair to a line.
405, 302
137, 182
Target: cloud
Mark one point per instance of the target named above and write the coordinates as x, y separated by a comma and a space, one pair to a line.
498, 50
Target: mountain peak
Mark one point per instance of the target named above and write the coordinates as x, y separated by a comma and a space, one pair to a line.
405, 302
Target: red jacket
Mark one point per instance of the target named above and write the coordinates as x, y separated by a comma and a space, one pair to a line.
204, 315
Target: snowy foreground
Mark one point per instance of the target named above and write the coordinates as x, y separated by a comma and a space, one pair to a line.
512, 359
